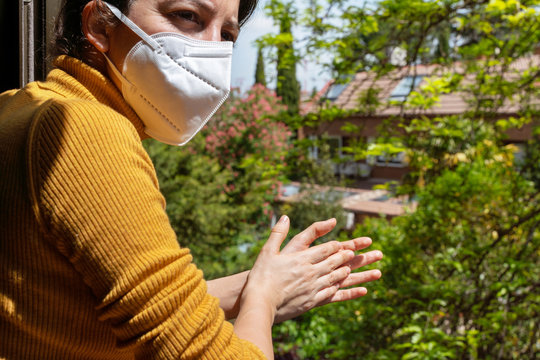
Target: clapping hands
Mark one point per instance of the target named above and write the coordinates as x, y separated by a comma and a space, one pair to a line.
298, 277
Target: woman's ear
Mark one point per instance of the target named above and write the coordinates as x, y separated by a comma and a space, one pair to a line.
94, 28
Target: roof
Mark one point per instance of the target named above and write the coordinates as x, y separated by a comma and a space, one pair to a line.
452, 103
310, 104
358, 201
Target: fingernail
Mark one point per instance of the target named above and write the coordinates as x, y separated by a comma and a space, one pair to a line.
284, 219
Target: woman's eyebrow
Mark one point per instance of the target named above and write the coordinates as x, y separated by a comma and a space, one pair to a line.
207, 6
232, 24
211, 8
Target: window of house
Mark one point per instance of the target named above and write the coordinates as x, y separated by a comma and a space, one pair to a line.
405, 86
397, 160
521, 153
335, 143
334, 91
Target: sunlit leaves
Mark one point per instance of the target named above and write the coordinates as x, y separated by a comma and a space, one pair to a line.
460, 273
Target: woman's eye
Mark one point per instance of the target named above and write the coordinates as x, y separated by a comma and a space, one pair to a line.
225, 36
186, 15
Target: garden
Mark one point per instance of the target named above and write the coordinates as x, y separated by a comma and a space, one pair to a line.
461, 274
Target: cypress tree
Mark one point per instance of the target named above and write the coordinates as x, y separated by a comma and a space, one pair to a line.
288, 86
260, 76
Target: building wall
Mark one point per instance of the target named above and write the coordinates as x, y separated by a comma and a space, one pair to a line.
388, 172
369, 130
368, 125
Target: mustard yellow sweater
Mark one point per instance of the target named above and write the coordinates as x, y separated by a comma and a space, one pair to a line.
89, 265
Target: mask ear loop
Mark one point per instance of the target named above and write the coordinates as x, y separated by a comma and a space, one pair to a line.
130, 24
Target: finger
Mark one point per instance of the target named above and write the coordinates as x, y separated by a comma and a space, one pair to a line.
354, 279
334, 278
321, 252
303, 240
334, 261
365, 259
278, 234
356, 244
346, 294
325, 295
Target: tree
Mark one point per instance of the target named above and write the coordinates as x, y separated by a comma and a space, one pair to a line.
260, 77
200, 212
288, 87
460, 274
248, 139
460, 280
221, 186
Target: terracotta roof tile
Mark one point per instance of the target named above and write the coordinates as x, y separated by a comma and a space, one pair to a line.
454, 103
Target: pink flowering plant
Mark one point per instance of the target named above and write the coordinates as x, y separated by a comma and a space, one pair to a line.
248, 138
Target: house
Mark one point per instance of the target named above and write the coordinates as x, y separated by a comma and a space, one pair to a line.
357, 204
396, 86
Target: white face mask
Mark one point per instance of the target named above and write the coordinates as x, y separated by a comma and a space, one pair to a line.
174, 83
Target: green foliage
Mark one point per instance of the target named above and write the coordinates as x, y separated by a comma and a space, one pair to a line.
362, 36
249, 140
201, 214
530, 165
288, 87
369, 101
318, 200
326, 113
260, 77
221, 186
460, 273
460, 277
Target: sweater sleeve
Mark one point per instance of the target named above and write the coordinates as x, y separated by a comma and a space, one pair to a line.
95, 191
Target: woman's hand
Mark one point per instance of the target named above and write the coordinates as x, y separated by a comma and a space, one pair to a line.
298, 278
303, 241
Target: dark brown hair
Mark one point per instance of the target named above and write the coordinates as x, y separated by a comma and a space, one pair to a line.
70, 40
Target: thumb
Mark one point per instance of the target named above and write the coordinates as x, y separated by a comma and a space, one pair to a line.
278, 234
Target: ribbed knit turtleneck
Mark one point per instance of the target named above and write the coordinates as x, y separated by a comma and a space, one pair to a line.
90, 267
95, 87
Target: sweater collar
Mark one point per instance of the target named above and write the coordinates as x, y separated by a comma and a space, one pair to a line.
71, 73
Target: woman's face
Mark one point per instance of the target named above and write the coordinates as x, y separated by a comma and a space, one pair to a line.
212, 20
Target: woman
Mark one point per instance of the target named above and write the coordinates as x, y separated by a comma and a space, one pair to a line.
90, 265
